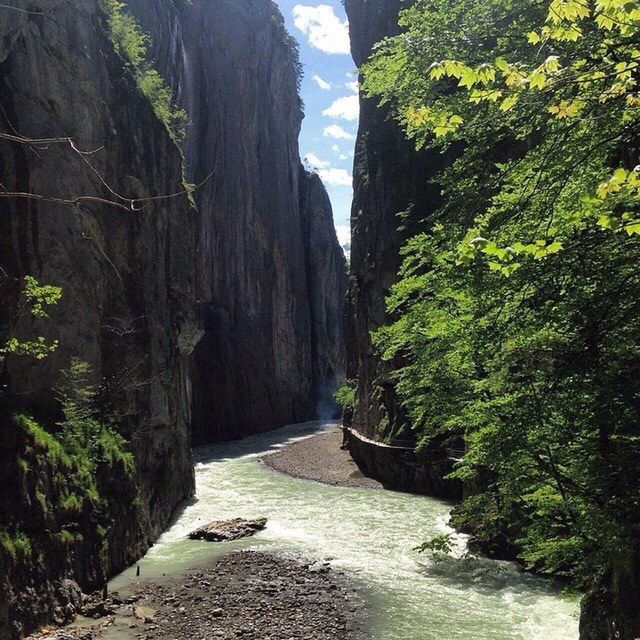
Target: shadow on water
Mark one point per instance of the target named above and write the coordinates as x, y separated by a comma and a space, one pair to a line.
261, 443
179, 511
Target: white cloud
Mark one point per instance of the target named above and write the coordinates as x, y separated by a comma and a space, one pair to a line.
322, 83
345, 108
337, 132
322, 27
335, 148
315, 162
354, 86
336, 177
343, 231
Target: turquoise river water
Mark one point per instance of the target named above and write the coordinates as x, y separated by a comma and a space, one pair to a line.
371, 535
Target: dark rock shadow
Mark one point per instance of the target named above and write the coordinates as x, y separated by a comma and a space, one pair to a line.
488, 576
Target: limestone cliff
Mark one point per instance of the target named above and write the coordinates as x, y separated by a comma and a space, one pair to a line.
326, 285
271, 319
256, 269
390, 179
127, 307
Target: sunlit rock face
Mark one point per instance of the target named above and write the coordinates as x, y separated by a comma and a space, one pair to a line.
390, 178
225, 316
272, 326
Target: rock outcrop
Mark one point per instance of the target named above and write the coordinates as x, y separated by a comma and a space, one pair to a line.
390, 179
394, 197
226, 530
609, 610
224, 316
127, 307
270, 268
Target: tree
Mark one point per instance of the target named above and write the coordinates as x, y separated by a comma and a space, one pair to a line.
34, 302
517, 317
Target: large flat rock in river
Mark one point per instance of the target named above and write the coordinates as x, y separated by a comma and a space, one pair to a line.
224, 530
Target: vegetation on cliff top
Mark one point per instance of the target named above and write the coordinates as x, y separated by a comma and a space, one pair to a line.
516, 317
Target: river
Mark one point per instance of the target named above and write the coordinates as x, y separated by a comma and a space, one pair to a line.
371, 535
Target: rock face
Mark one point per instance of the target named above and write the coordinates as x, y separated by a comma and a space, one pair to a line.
401, 468
609, 611
326, 286
393, 199
270, 269
225, 530
143, 285
390, 178
128, 304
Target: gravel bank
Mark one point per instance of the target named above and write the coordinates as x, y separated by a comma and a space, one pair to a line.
320, 458
245, 595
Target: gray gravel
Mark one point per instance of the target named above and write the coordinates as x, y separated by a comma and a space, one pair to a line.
321, 459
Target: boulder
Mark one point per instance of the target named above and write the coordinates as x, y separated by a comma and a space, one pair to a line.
224, 530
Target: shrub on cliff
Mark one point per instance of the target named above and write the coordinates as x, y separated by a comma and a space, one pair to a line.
132, 44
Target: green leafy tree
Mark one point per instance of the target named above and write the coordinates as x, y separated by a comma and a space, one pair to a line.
516, 320
34, 302
345, 396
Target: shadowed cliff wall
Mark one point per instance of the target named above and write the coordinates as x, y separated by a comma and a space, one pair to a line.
258, 263
128, 306
272, 324
390, 178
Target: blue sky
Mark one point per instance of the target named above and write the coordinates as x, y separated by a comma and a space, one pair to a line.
329, 91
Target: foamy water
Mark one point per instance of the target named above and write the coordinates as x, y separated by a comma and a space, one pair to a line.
371, 534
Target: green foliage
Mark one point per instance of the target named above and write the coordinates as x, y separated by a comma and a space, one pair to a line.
290, 44
34, 302
132, 44
345, 395
16, 545
71, 474
572, 86
440, 546
516, 320
86, 436
43, 440
40, 296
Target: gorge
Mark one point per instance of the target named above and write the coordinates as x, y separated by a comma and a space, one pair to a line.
175, 307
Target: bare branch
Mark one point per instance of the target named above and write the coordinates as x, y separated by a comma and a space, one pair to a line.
127, 203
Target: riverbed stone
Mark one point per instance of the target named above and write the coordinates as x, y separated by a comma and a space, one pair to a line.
225, 530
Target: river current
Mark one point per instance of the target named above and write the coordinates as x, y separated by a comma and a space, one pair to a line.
371, 535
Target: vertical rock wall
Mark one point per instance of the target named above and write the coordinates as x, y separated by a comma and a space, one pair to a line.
326, 269
390, 178
128, 302
258, 264
266, 349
